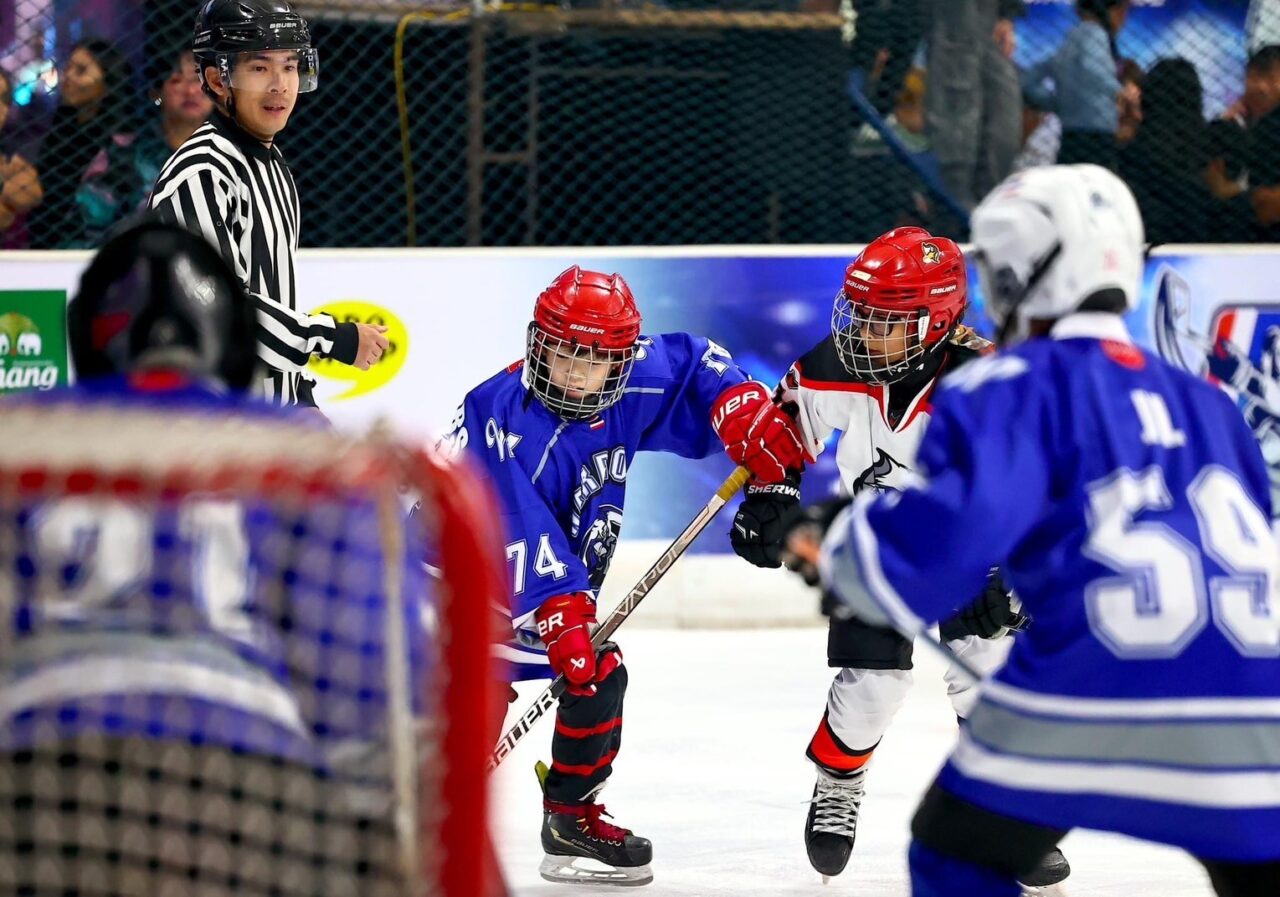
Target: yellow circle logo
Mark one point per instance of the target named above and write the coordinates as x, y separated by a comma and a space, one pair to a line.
382, 370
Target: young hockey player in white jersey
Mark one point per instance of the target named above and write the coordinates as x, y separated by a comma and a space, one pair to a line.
1127, 503
895, 330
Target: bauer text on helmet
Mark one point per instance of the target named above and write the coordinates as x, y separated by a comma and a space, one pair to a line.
582, 343
902, 296
255, 57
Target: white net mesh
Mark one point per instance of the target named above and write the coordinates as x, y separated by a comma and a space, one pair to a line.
222, 667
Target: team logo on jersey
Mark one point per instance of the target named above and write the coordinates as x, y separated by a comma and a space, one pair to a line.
500, 440
930, 253
604, 467
381, 372
33, 340
599, 543
877, 472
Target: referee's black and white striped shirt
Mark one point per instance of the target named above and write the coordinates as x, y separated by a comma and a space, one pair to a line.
238, 194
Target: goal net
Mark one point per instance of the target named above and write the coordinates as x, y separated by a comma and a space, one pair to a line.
225, 666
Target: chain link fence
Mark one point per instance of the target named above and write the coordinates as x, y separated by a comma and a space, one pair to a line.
685, 122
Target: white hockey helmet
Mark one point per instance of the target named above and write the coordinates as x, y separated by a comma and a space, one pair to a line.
1049, 238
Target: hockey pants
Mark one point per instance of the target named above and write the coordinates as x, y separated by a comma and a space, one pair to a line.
862, 703
588, 734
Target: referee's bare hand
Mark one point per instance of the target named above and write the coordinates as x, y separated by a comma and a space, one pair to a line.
372, 345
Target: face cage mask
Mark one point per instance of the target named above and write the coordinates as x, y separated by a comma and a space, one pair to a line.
234, 68
848, 323
542, 347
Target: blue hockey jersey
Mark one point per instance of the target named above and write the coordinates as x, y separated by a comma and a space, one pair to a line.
562, 484
251, 624
1128, 505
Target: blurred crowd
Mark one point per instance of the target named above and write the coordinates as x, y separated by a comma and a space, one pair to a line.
941, 76
69, 172
952, 116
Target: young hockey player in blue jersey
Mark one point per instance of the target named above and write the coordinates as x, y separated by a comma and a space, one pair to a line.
557, 434
1127, 503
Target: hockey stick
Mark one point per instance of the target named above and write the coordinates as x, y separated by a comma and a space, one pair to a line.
543, 703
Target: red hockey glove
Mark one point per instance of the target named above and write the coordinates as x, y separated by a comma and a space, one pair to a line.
564, 625
757, 433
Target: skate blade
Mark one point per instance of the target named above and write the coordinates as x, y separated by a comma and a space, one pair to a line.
586, 871
826, 879
1044, 891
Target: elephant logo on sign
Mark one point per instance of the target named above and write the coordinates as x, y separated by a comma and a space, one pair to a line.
29, 343
19, 335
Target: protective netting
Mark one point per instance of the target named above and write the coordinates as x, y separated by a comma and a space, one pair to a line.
223, 666
682, 122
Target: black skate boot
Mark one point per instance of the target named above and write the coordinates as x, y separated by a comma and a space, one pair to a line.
578, 842
833, 822
1040, 882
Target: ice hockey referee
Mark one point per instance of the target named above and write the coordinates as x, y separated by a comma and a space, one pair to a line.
229, 183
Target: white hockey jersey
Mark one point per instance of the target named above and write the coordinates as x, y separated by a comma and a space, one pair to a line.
881, 425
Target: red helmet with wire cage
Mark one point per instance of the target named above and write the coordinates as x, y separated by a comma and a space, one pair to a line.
902, 297
582, 343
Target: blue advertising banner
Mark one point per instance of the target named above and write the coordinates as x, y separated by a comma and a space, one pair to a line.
770, 311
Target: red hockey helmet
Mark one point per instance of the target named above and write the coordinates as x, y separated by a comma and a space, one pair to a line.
582, 342
902, 297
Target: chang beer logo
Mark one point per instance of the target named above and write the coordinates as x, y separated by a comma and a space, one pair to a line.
33, 340
360, 382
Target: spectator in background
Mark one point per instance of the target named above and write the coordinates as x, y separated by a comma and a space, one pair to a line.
1164, 163
1255, 196
119, 180
973, 108
1041, 137
887, 36
1262, 24
1129, 102
892, 192
20, 188
97, 107
1227, 143
1085, 90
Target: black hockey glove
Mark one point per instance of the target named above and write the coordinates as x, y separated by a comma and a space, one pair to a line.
763, 519
816, 519
993, 614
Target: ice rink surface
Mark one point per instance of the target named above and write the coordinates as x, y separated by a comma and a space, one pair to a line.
712, 770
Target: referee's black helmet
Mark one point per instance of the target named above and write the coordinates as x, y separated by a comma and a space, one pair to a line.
237, 26
226, 28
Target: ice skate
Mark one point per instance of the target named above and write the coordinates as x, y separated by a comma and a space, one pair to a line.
833, 822
581, 848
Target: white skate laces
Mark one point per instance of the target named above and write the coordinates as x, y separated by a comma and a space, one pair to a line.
836, 804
